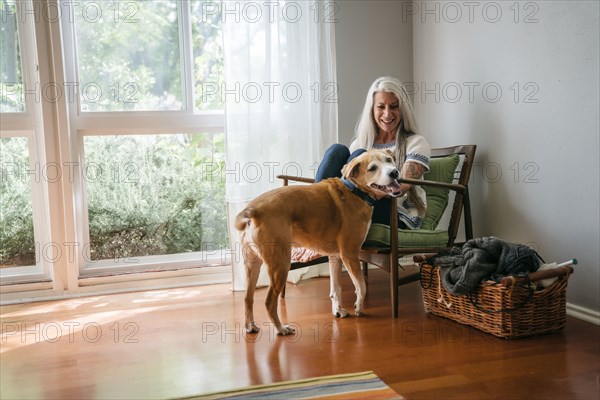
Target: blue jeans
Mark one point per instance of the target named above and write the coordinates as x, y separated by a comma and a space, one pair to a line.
338, 155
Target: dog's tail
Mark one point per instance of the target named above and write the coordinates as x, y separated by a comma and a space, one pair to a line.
243, 218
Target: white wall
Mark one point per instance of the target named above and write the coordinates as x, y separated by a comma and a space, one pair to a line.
371, 41
537, 179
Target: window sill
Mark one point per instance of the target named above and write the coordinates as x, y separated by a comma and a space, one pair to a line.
105, 285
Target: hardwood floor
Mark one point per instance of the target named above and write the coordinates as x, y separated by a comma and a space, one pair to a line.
180, 342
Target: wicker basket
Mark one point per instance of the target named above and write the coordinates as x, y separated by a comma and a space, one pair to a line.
508, 312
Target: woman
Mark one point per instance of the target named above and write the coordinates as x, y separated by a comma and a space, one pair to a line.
386, 122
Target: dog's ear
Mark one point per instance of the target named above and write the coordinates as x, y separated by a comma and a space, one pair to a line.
391, 153
352, 169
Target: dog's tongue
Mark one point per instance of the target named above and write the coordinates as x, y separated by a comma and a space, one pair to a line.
393, 187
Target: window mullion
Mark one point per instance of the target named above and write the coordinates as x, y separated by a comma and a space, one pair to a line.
187, 62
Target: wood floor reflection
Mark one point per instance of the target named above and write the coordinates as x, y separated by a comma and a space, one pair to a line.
181, 342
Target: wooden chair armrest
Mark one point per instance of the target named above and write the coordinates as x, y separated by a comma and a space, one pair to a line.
287, 178
451, 186
466, 203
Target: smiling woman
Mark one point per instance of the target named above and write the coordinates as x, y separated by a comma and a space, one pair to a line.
387, 116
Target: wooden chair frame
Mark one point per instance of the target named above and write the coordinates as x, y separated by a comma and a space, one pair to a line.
387, 258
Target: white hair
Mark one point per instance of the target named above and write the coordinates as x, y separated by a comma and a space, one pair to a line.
366, 127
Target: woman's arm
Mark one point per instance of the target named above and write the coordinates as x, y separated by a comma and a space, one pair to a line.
416, 163
411, 170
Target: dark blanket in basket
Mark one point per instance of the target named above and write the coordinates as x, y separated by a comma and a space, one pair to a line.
463, 269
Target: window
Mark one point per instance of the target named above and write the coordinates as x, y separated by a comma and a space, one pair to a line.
26, 247
17, 243
137, 143
207, 54
11, 74
16, 218
148, 134
154, 194
128, 55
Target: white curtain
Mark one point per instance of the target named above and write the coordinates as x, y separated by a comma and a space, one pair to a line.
280, 92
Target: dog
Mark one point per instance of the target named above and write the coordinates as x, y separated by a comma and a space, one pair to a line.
331, 217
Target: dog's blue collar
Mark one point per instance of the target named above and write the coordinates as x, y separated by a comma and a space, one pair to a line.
354, 189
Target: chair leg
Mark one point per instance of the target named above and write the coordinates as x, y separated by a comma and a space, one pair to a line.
394, 286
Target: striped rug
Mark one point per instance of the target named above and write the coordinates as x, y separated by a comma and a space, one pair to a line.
362, 385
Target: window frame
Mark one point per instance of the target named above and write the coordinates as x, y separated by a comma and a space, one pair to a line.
58, 128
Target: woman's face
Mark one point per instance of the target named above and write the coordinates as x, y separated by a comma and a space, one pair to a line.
386, 111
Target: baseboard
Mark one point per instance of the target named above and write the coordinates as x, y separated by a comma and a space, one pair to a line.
583, 313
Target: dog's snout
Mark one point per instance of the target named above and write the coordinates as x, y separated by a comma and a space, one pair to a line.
394, 173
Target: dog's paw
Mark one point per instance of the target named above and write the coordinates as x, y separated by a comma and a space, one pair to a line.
341, 313
252, 327
286, 330
358, 311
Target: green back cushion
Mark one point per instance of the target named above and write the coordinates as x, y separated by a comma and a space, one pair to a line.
440, 170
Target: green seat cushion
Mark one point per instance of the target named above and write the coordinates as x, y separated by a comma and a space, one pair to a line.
441, 170
379, 236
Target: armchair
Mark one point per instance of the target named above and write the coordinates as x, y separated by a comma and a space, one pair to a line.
450, 170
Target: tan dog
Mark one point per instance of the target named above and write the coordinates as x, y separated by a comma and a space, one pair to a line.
331, 217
